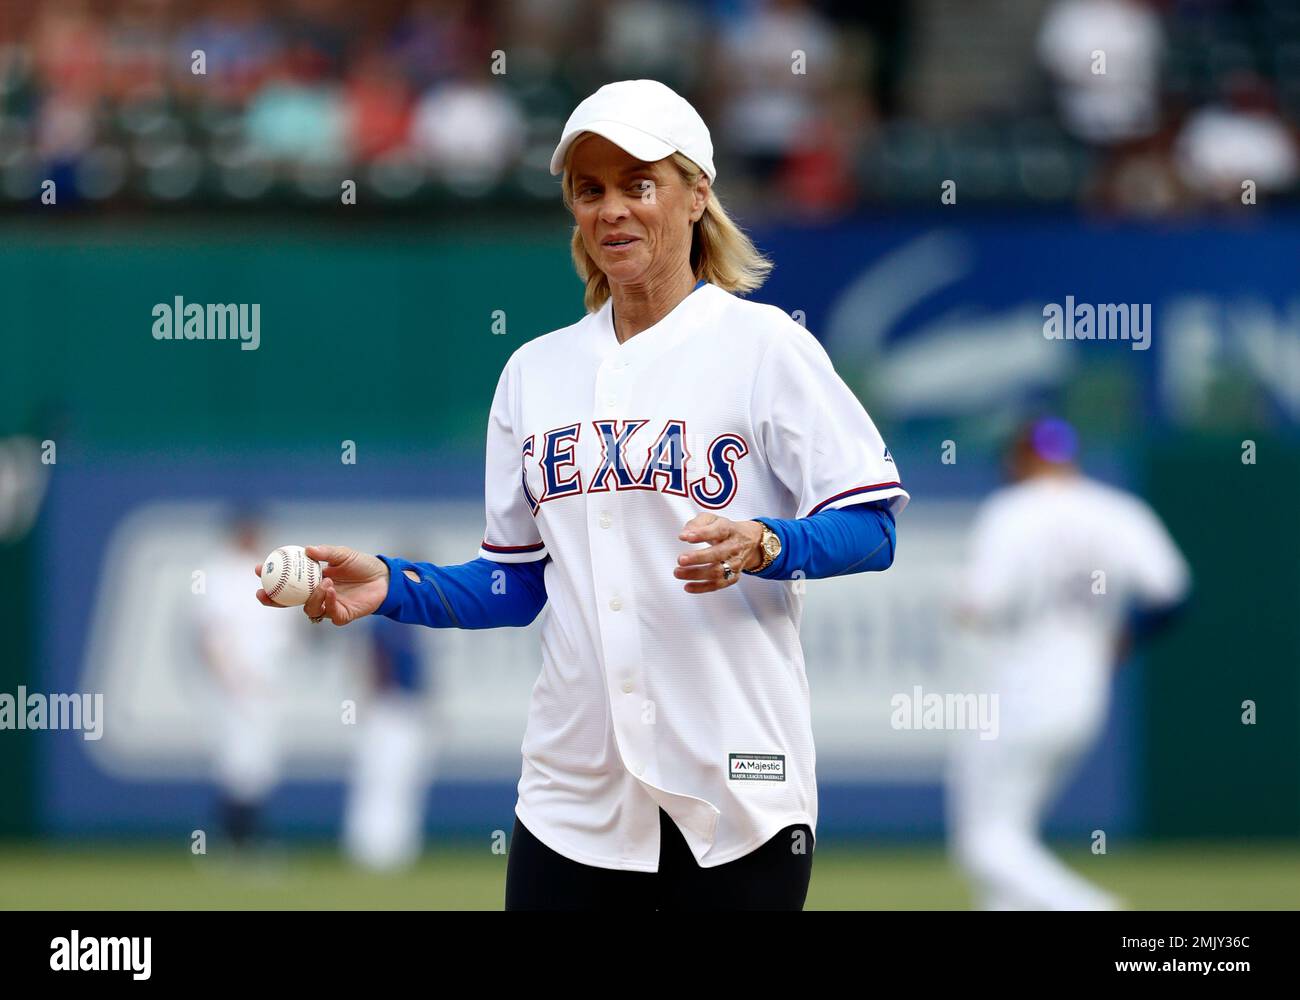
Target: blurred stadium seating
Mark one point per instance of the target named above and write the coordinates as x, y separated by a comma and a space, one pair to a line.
411, 99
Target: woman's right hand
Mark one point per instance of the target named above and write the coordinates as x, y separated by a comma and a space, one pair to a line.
355, 584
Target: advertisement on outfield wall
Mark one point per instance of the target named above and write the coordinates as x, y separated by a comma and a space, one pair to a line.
133, 609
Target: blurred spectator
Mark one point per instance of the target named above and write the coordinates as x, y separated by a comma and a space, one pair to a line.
68, 45
776, 61
378, 106
654, 39
66, 127
1240, 139
970, 58
1104, 56
239, 45
137, 51
315, 34
817, 180
547, 41
290, 121
437, 41
470, 132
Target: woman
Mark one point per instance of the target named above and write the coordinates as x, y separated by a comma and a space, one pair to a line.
668, 760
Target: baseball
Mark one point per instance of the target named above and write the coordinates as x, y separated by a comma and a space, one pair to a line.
289, 577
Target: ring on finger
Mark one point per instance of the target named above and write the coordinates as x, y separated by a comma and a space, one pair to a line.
727, 571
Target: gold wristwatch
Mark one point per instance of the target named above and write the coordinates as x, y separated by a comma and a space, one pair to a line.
770, 546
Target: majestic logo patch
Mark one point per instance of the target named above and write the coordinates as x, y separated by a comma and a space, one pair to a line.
756, 766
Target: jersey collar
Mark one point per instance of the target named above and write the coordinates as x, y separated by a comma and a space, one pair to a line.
652, 340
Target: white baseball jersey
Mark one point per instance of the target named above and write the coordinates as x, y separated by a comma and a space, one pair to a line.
1056, 564
598, 453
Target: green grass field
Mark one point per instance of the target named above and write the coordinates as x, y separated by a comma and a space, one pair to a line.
1201, 876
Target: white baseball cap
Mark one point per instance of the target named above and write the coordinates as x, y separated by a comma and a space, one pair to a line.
643, 117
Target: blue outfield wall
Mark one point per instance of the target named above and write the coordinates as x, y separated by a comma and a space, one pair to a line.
76, 797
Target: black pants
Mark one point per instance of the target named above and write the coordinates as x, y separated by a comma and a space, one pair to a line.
773, 877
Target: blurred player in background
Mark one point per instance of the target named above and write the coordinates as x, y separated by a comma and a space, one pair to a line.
1062, 567
244, 653
385, 805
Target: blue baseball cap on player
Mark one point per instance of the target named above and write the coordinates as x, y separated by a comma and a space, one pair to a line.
1054, 440
643, 117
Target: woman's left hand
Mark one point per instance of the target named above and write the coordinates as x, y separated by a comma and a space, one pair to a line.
734, 542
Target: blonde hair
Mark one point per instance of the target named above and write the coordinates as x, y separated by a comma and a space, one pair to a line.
721, 253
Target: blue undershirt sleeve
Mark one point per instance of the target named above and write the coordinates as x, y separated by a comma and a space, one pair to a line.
484, 593
478, 594
836, 542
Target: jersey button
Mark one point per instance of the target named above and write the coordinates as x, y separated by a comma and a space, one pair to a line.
611, 401
605, 519
628, 687
616, 604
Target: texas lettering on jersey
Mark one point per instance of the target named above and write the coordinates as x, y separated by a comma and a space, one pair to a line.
666, 466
